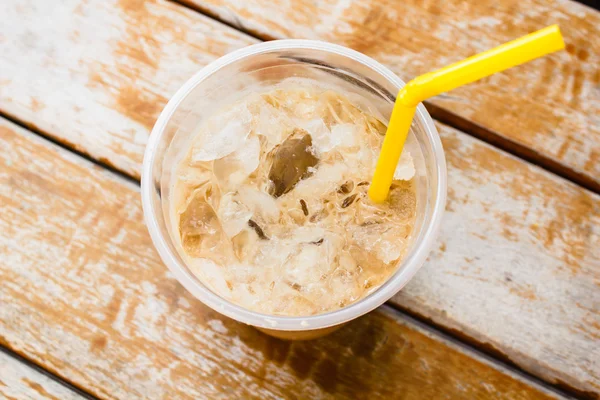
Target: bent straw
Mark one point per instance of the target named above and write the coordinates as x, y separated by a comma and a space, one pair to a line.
516, 52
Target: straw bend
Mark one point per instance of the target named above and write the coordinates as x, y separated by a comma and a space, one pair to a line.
503, 57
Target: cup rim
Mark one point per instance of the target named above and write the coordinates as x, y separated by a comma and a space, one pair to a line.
410, 265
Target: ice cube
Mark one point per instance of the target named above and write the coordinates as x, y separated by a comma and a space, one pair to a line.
405, 169
196, 174
198, 218
319, 132
335, 109
199, 226
234, 168
376, 126
233, 214
344, 135
272, 124
304, 109
311, 234
260, 203
212, 274
344, 287
388, 248
274, 253
291, 162
307, 265
325, 179
380, 241
324, 139
222, 134
298, 104
347, 262
245, 244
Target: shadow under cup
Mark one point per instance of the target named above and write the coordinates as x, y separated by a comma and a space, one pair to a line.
257, 69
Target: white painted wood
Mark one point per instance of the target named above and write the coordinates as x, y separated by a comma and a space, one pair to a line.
517, 264
95, 74
18, 381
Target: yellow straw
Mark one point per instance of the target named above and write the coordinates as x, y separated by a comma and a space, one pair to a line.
498, 59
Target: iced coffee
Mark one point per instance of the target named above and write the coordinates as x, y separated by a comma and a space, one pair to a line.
270, 205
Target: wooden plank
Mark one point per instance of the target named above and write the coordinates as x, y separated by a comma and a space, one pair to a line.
546, 110
494, 240
94, 75
517, 265
18, 381
85, 295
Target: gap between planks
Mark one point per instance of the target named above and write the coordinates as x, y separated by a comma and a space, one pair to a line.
447, 117
484, 350
135, 179
48, 374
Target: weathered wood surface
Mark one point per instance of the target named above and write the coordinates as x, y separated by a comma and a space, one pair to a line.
551, 105
85, 295
20, 382
95, 74
517, 264
519, 275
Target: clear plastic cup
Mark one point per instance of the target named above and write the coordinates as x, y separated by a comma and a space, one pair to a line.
259, 67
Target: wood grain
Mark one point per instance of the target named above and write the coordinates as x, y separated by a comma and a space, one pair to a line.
517, 266
95, 74
20, 382
550, 106
85, 296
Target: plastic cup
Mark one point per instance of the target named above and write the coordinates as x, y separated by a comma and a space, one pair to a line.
260, 67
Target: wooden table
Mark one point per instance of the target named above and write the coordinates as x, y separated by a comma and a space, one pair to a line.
507, 305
